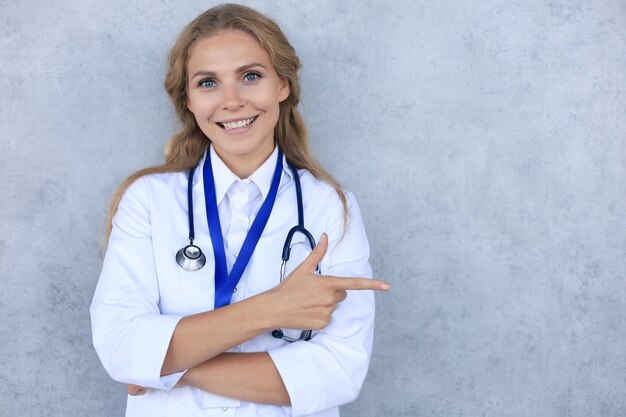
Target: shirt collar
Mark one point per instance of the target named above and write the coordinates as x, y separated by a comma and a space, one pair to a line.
224, 177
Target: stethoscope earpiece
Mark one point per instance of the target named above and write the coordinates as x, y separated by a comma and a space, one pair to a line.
191, 257
305, 335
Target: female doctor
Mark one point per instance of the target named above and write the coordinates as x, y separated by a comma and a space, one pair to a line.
191, 309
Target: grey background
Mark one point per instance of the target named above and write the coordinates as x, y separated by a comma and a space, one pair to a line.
483, 139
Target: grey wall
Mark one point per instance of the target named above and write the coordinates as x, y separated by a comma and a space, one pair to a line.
485, 143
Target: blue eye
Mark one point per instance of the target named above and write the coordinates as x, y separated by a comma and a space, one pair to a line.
252, 76
207, 83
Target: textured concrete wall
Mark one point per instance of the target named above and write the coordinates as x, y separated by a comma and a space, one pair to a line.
485, 141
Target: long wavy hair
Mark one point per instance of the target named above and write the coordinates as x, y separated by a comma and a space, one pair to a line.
187, 146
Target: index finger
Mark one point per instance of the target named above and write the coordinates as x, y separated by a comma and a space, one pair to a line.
358, 284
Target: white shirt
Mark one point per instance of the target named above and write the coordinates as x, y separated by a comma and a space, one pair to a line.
142, 292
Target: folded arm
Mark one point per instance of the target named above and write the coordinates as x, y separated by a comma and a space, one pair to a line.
250, 377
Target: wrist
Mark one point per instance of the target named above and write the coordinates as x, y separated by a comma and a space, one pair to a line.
267, 310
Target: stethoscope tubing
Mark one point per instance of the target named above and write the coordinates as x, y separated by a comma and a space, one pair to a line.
192, 258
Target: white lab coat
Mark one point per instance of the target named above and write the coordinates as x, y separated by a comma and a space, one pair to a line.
142, 293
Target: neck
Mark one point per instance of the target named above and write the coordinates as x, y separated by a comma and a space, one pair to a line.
243, 166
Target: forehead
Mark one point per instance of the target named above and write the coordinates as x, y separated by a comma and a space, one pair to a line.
225, 51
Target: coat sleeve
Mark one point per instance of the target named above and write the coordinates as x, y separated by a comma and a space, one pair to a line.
329, 370
130, 334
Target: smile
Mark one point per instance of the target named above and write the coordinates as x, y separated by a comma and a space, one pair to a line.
236, 124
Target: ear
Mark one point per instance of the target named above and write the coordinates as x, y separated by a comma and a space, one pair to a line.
283, 89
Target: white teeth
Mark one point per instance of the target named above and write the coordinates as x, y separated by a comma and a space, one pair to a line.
237, 125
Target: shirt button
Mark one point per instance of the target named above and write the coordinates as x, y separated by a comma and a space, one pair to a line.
236, 348
224, 408
235, 290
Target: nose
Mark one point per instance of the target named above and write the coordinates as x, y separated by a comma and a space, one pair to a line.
233, 100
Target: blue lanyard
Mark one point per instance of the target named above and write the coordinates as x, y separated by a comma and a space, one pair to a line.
224, 283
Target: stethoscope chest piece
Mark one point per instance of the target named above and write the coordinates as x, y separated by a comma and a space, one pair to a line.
191, 258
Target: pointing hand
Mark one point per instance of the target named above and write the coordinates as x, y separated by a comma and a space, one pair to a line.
306, 301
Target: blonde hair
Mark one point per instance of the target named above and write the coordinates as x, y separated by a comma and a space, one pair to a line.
185, 149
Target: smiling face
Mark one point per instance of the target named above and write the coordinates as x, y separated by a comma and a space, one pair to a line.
234, 94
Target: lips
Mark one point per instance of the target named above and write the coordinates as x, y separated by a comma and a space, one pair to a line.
237, 124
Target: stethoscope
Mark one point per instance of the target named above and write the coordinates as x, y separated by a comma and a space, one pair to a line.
191, 257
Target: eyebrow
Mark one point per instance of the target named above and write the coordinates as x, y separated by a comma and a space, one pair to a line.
240, 69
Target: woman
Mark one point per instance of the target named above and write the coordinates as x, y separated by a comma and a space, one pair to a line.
194, 339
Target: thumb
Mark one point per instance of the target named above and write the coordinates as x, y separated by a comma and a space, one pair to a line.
316, 256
